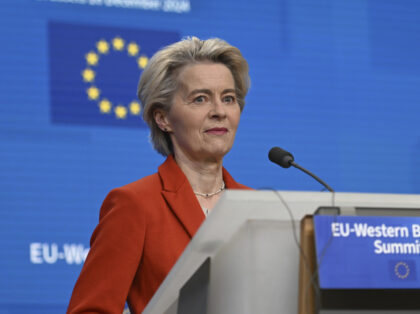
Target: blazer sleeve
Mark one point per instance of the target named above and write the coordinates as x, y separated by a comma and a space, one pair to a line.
114, 257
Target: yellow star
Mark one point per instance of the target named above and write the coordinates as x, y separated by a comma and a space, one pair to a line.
135, 108
133, 49
120, 112
102, 46
92, 58
142, 61
105, 106
88, 75
118, 43
93, 92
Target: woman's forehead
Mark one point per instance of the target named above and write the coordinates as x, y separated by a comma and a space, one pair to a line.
205, 76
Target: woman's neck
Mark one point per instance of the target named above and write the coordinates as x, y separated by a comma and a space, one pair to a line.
205, 177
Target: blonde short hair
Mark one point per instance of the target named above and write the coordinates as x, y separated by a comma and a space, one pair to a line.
159, 80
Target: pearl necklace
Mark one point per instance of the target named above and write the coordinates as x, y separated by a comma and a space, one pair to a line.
207, 195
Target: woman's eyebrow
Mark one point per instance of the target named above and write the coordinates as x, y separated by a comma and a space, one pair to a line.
229, 90
209, 92
200, 91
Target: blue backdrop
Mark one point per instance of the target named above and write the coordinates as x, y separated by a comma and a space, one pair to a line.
335, 82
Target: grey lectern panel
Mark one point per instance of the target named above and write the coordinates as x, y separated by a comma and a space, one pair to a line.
248, 274
253, 255
193, 296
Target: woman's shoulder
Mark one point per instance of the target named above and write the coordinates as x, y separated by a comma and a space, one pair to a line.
145, 188
151, 183
132, 196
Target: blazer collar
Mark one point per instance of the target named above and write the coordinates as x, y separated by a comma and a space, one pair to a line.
178, 193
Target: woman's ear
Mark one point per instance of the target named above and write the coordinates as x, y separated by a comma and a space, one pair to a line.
161, 119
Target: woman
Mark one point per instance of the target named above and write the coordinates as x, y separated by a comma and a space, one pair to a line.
192, 93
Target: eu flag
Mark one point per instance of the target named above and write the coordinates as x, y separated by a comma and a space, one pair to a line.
403, 270
94, 72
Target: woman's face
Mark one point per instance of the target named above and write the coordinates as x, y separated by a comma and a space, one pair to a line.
205, 114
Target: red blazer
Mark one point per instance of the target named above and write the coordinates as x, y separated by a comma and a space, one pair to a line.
143, 229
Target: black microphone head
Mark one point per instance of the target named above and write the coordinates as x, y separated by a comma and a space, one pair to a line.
281, 157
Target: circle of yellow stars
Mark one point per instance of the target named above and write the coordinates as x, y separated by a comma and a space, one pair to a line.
406, 271
103, 47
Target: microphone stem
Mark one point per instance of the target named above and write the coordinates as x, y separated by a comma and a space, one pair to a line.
312, 175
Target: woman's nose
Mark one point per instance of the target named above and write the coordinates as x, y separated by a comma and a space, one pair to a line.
218, 109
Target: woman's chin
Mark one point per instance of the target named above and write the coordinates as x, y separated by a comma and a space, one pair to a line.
217, 153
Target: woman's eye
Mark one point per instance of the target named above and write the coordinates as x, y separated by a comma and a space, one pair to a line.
229, 99
199, 99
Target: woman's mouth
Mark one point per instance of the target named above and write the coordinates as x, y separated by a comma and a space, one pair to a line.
217, 131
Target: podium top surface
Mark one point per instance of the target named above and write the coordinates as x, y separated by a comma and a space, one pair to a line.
236, 207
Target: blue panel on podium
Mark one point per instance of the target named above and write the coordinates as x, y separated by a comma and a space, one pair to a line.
368, 252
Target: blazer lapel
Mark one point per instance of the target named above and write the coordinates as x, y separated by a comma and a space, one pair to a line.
181, 199
230, 182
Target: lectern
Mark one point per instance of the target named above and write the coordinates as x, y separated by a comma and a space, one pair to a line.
245, 256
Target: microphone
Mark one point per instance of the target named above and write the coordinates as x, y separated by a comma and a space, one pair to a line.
285, 159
